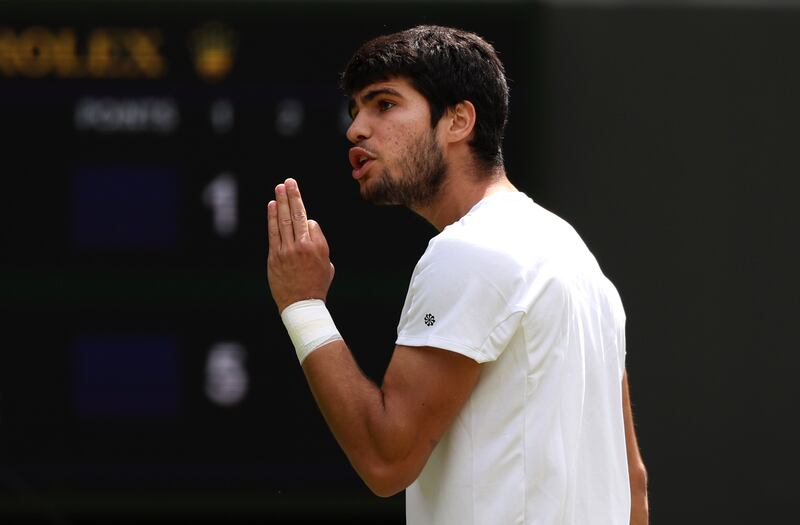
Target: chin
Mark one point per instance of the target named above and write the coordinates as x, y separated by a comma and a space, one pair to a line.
375, 191
367, 193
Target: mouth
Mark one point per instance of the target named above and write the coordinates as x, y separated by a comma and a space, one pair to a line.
360, 160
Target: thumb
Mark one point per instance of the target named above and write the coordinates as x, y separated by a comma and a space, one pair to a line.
317, 237
315, 232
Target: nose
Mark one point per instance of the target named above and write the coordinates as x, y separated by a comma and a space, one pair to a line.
359, 129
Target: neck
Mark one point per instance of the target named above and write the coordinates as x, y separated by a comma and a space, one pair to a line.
461, 190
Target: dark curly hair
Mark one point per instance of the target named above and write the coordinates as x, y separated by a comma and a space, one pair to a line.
446, 66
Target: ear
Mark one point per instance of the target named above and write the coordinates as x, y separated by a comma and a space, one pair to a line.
460, 121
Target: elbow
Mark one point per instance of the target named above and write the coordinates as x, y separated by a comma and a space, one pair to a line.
386, 479
385, 491
392, 460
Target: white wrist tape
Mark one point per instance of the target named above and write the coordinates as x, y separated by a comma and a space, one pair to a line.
310, 326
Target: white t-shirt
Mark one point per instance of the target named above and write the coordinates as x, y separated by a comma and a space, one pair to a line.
541, 439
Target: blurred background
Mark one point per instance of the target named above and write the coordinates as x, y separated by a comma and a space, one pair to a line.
144, 373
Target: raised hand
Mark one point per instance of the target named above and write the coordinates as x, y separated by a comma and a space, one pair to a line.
298, 265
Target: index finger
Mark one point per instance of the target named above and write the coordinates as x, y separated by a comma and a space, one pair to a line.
297, 210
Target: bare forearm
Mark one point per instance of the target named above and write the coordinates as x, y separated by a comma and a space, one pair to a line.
638, 480
639, 507
354, 409
636, 469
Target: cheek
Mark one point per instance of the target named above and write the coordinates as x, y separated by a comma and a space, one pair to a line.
395, 135
403, 137
398, 138
394, 142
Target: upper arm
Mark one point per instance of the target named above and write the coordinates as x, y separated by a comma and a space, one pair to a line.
423, 391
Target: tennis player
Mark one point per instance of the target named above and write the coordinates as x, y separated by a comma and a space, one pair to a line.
505, 400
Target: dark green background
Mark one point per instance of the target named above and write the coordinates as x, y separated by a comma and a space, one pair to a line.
668, 136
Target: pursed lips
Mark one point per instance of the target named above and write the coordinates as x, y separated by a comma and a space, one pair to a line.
360, 159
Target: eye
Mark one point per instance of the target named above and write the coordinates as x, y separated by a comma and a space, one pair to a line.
385, 105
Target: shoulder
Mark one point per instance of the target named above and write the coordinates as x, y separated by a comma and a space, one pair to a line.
462, 252
499, 232
467, 256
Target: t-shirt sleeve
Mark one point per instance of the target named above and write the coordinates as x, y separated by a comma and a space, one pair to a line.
460, 299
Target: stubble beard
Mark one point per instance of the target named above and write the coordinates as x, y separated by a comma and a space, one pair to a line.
422, 172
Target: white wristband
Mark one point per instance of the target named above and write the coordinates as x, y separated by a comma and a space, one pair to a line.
310, 326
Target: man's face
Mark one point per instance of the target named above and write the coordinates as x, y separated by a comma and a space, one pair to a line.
397, 158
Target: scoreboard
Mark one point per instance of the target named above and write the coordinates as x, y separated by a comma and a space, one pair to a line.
144, 365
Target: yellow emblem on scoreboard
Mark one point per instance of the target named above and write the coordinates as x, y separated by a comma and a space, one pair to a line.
214, 47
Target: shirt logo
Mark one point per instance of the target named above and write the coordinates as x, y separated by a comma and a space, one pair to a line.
429, 319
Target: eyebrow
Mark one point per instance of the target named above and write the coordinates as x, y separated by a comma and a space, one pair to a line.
369, 95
